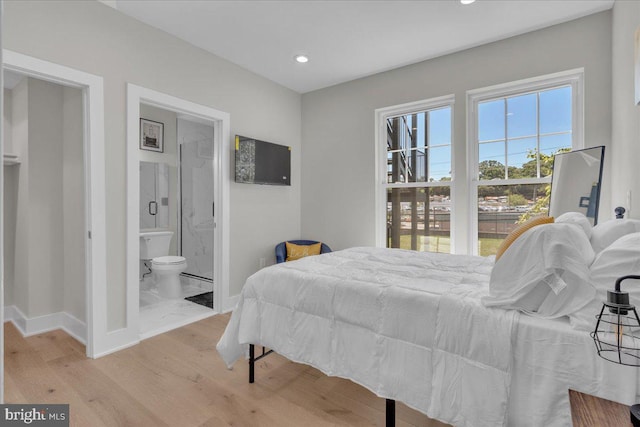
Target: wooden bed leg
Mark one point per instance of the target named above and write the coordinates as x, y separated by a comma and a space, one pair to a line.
252, 363
391, 413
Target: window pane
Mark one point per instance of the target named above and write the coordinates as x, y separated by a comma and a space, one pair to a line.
440, 163
522, 115
440, 127
492, 160
502, 207
491, 120
396, 166
419, 219
553, 143
555, 110
523, 160
418, 127
417, 161
399, 135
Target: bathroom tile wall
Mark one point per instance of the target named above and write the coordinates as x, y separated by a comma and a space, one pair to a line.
196, 176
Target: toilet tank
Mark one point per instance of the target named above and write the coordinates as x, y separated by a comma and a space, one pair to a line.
154, 244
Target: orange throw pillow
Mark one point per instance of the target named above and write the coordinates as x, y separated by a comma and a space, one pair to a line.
295, 252
519, 231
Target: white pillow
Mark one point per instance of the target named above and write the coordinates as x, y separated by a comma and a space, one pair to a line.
605, 233
578, 219
544, 273
621, 258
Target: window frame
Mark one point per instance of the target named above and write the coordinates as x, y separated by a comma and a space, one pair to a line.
573, 78
381, 184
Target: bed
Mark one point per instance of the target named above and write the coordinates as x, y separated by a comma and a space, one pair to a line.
430, 331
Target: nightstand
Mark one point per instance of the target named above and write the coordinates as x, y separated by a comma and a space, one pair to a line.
591, 411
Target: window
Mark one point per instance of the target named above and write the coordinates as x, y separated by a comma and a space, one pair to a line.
415, 175
515, 130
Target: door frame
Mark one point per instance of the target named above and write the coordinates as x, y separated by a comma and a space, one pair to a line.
94, 184
221, 160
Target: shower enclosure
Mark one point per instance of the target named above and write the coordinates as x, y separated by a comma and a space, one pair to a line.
197, 209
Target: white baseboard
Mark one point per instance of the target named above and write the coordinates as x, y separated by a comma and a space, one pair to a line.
116, 341
230, 303
37, 325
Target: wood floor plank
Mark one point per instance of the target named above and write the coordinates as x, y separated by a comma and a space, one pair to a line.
29, 379
12, 393
55, 344
110, 402
178, 378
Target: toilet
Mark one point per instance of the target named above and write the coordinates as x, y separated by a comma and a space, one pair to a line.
166, 269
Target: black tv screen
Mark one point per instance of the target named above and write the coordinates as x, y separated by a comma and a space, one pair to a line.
261, 162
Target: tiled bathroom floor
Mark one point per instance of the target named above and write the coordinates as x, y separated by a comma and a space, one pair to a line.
158, 315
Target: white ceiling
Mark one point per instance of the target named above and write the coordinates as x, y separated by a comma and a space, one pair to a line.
345, 40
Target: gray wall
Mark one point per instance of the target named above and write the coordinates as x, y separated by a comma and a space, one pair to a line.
44, 212
94, 38
6, 122
73, 201
338, 122
625, 120
10, 200
20, 137
44, 201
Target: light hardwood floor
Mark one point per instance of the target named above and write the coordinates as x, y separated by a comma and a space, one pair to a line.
178, 379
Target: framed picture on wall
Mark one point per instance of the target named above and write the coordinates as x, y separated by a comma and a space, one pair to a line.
151, 135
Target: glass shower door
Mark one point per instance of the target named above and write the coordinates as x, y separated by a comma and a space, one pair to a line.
196, 190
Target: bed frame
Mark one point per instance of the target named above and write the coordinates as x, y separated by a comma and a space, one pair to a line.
390, 408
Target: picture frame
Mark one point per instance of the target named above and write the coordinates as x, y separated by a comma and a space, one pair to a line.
151, 135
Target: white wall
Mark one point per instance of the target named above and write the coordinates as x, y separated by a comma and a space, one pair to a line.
338, 122
625, 117
94, 38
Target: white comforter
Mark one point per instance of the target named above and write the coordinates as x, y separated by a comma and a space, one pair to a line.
410, 326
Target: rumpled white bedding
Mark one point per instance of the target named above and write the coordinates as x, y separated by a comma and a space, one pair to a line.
410, 326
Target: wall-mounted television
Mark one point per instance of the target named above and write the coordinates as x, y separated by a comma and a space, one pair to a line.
261, 162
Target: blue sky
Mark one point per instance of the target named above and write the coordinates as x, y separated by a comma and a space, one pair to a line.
521, 125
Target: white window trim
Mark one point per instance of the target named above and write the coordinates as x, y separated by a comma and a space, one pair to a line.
574, 77
381, 185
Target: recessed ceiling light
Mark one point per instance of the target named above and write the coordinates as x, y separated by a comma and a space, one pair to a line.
467, 1
301, 58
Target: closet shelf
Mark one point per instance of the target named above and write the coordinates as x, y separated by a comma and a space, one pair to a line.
10, 159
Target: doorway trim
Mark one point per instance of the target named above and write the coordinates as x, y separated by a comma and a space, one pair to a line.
221, 160
94, 178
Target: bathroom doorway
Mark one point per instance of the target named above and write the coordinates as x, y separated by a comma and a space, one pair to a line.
196, 204
177, 219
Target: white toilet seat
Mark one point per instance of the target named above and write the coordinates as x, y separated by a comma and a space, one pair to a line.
168, 260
